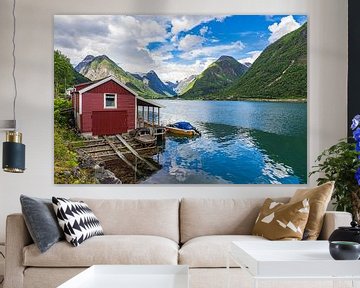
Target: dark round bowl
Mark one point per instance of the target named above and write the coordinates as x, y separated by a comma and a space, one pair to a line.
344, 250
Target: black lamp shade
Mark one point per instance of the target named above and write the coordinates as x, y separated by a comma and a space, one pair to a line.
13, 157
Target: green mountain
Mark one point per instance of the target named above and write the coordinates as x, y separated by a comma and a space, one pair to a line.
65, 76
154, 82
182, 86
102, 66
280, 72
79, 78
220, 74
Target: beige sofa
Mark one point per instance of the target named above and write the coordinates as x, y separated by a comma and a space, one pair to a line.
194, 232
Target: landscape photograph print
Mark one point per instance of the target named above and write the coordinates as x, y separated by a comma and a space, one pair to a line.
180, 99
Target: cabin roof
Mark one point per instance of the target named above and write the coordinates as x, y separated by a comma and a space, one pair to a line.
140, 100
86, 84
147, 102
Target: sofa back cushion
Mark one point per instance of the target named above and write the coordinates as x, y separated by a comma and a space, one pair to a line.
201, 217
158, 217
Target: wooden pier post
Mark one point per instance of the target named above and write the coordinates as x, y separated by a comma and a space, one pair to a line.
148, 116
153, 116
143, 116
158, 116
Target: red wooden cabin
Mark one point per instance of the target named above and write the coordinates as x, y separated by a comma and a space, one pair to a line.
108, 107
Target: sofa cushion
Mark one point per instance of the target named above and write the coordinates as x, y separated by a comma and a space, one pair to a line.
107, 249
211, 251
158, 217
41, 221
76, 220
201, 217
319, 198
279, 221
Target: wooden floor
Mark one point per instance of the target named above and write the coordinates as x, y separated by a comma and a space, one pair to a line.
110, 147
135, 158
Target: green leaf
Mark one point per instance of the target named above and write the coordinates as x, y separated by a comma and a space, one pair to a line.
339, 163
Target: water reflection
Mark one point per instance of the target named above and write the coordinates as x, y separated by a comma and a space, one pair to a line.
229, 153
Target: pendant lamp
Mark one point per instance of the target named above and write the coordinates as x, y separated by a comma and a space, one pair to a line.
13, 160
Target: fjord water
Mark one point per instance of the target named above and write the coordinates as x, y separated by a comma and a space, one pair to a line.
242, 142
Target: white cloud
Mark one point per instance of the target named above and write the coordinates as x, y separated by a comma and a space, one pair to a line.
125, 39
286, 25
204, 30
163, 53
122, 38
186, 23
253, 55
177, 71
190, 42
174, 39
141, 29
67, 29
269, 18
214, 51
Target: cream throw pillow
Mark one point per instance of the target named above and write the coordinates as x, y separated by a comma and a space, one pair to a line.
319, 198
279, 221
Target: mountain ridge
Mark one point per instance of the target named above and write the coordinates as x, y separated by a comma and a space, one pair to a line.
221, 73
83, 63
280, 72
183, 84
152, 80
102, 66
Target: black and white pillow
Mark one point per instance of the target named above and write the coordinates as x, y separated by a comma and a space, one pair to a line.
77, 220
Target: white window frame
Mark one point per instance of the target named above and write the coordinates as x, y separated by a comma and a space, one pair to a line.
110, 94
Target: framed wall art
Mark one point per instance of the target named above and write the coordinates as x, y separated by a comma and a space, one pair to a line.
181, 99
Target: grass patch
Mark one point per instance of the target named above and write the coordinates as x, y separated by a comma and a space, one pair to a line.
66, 162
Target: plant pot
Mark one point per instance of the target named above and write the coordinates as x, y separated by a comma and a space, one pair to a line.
350, 234
343, 250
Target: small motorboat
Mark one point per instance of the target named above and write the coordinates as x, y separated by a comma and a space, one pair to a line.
144, 136
182, 129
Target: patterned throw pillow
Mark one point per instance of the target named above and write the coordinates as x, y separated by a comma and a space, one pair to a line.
319, 198
279, 221
77, 220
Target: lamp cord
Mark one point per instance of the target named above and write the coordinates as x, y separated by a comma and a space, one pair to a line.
2, 280
14, 61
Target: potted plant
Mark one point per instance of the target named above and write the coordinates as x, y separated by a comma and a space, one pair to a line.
341, 163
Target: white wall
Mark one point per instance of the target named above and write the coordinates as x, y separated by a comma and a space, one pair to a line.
327, 89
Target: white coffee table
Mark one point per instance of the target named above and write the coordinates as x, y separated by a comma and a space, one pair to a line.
292, 260
131, 276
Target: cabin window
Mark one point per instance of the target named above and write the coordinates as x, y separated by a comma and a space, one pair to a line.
110, 100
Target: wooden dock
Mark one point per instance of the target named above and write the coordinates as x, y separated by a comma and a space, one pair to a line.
135, 153
109, 148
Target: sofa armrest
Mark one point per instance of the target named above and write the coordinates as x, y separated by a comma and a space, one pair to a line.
333, 220
17, 237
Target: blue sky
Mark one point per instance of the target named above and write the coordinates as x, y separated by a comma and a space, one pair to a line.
174, 46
